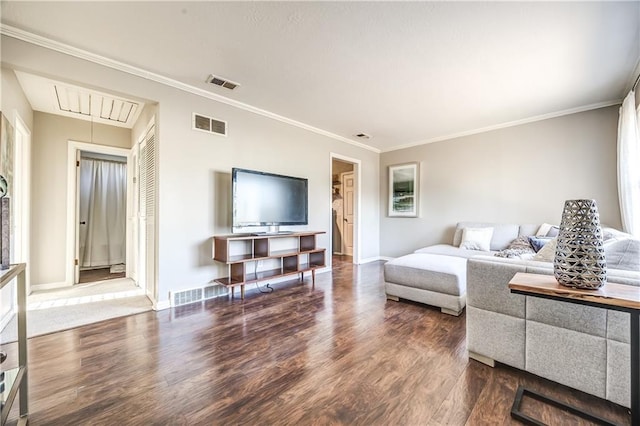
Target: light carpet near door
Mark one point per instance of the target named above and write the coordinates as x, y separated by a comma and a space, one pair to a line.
44, 321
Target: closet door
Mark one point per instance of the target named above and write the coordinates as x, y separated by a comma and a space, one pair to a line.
147, 205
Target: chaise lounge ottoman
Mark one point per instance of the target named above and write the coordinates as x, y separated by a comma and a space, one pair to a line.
432, 279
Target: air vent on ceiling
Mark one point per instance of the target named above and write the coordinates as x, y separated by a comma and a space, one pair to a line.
222, 82
209, 124
363, 136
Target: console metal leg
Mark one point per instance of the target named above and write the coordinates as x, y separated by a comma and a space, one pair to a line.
519, 415
635, 368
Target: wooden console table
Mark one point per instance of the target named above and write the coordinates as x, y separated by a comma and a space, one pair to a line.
294, 253
616, 297
16, 379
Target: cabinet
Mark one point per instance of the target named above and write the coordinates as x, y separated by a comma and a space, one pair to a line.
253, 258
15, 379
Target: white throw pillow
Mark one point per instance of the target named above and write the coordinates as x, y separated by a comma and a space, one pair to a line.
547, 230
476, 239
548, 252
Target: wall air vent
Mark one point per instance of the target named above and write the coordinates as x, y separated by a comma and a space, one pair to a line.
222, 82
193, 295
209, 124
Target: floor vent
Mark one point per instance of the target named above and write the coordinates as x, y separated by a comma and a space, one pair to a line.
185, 297
209, 124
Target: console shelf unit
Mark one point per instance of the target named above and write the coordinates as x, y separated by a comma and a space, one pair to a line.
296, 253
15, 379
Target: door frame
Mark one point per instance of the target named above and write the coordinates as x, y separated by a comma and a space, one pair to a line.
357, 172
22, 195
73, 151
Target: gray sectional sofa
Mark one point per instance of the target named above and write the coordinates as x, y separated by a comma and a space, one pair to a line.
437, 275
582, 347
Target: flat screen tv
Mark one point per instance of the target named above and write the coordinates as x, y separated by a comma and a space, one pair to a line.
268, 200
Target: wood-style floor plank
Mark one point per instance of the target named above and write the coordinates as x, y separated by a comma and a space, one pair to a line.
334, 355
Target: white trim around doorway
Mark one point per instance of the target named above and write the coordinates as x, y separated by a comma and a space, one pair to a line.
357, 169
72, 149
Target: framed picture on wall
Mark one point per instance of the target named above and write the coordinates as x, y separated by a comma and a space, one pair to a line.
403, 190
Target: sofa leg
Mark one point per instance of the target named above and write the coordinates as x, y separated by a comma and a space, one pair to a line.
483, 359
450, 312
394, 298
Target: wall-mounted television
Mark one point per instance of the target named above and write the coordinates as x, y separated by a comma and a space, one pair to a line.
261, 199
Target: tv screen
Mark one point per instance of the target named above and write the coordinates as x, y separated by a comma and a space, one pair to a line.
267, 199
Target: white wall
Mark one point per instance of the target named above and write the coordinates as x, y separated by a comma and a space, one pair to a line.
12, 102
521, 174
50, 142
194, 167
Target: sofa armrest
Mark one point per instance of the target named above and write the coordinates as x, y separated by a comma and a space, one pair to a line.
488, 285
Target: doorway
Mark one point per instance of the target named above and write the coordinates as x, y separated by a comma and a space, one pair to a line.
344, 208
102, 199
97, 212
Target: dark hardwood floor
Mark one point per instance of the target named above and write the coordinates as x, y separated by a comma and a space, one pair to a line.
338, 354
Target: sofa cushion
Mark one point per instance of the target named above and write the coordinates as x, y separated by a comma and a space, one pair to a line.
550, 350
623, 254
443, 274
583, 319
528, 229
449, 250
503, 234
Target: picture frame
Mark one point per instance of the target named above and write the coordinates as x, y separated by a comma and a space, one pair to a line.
404, 182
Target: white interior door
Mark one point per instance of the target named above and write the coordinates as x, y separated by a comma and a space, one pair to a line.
348, 187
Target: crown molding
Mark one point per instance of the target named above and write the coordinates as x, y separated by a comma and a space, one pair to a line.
508, 124
66, 49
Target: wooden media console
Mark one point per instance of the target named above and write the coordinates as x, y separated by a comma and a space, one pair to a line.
285, 254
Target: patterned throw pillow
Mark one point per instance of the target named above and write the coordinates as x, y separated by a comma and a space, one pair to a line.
520, 248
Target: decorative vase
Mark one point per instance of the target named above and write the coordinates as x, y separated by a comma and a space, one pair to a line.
580, 260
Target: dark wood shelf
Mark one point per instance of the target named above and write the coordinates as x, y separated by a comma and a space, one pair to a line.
238, 252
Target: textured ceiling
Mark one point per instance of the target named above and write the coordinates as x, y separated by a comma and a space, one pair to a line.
405, 73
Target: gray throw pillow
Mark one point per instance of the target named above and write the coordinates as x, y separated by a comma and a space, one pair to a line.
538, 242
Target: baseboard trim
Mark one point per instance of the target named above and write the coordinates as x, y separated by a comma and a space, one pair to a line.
162, 305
